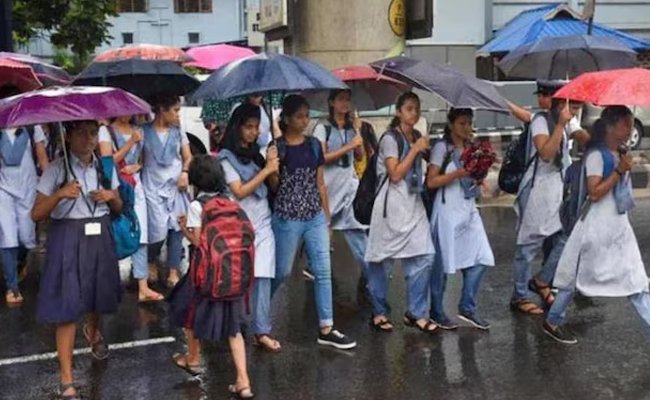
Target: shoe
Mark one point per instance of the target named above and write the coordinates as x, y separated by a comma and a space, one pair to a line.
474, 320
308, 275
445, 323
337, 340
559, 334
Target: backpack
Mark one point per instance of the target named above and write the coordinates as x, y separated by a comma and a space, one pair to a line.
429, 195
223, 262
516, 159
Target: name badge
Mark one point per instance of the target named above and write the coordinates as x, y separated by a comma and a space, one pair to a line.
93, 229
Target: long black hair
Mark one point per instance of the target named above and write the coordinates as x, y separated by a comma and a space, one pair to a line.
452, 116
609, 117
401, 100
291, 105
232, 138
330, 99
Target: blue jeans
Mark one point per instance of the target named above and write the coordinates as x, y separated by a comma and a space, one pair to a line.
262, 306
174, 249
357, 240
139, 262
557, 313
472, 277
417, 273
524, 257
314, 233
9, 258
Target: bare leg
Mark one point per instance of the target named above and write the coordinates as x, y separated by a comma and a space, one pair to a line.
193, 348
65, 334
238, 351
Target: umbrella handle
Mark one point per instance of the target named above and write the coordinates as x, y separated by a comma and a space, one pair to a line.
66, 159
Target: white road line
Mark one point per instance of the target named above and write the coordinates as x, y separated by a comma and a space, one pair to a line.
116, 346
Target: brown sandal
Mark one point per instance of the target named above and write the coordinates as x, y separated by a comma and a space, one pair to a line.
544, 291
258, 341
526, 306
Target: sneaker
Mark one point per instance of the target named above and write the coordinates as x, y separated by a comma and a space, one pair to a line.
336, 339
474, 320
308, 275
559, 334
445, 323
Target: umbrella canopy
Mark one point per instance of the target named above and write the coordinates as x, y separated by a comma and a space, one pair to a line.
48, 74
630, 87
59, 104
567, 57
456, 88
264, 74
370, 90
215, 56
144, 52
13, 73
144, 78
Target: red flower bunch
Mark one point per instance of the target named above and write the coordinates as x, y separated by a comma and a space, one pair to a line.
477, 158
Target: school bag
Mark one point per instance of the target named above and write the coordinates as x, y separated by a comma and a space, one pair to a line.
223, 262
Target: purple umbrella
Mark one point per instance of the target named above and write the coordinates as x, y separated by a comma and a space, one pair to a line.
59, 104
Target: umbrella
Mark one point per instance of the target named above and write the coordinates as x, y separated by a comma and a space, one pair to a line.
213, 57
565, 57
456, 88
265, 74
370, 90
144, 52
143, 78
77, 103
629, 87
13, 73
48, 74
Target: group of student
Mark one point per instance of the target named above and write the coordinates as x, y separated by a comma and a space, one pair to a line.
295, 189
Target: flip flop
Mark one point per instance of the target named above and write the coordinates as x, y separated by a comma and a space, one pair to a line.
151, 298
194, 370
263, 345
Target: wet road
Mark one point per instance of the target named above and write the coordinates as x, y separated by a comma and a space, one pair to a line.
514, 360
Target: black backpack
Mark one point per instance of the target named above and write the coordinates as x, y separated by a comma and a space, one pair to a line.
429, 195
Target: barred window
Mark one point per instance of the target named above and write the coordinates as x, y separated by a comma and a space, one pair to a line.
193, 6
127, 6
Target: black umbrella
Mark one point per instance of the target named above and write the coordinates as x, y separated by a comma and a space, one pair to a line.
567, 57
456, 88
144, 78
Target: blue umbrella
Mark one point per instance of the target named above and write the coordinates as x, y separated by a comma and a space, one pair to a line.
567, 57
266, 74
454, 87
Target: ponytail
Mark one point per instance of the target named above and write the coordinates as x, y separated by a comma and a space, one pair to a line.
395, 122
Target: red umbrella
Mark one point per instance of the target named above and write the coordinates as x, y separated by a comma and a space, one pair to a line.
215, 56
13, 73
629, 87
47, 74
145, 52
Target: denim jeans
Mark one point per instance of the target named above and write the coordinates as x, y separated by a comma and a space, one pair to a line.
139, 262
357, 240
417, 273
472, 277
557, 313
9, 258
314, 232
262, 306
174, 249
525, 255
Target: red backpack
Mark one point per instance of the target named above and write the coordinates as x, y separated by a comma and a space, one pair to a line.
223, 263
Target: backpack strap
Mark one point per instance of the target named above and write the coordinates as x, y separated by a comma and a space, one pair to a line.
445, 163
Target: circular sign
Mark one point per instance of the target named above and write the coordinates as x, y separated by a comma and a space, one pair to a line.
397, 17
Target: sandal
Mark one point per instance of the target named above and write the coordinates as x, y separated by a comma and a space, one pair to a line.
259, 342
14, 298
412, 322
150, 298
98, 347
547, 298
243, 393
180, 361
63, 388
526, 306
382, 326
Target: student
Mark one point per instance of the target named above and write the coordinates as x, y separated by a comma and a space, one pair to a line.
399, 229
204, 318
266, 130
123, 141
246, 173
167, 157
456, 225
20, 151
602, 257
342, 144
301, 212
80, 274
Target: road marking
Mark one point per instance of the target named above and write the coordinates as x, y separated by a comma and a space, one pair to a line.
116, 346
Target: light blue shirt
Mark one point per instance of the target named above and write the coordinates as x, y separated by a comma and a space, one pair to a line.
20, 179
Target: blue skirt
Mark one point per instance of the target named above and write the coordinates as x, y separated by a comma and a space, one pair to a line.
80, 273
210, 320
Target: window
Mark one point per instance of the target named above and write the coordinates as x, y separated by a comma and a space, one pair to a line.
256, 27
127, 6
127, 37
193, 37
193, 6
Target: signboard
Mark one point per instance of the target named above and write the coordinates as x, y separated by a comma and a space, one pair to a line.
273, 14
419, 19
397, 17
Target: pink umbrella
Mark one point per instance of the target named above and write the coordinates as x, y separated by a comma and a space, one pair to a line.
19, 75
215, 56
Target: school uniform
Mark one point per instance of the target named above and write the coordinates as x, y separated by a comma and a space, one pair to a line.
80, 272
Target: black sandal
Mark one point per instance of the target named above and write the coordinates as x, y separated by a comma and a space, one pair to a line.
98, 347
193, 370
65, 386
412, 322
243, 393
549, 299
381, 326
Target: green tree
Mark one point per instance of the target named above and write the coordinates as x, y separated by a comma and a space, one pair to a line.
80, 25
